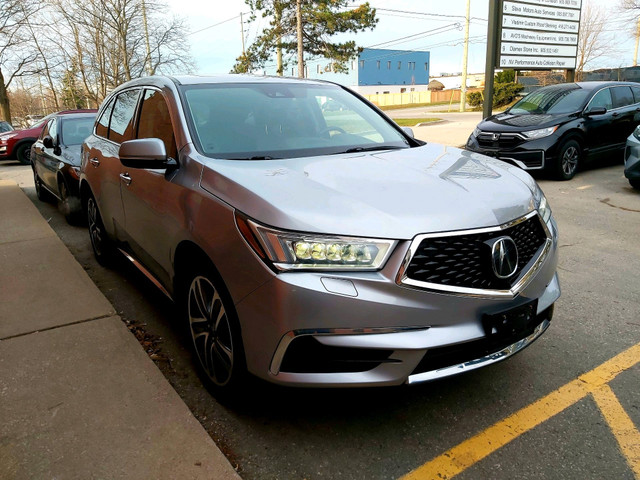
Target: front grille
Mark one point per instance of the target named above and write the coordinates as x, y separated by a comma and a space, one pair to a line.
465, 260
506, 141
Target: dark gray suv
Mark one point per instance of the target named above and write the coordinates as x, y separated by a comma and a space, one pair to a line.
317, 246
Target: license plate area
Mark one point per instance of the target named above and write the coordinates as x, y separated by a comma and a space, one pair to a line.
514, 323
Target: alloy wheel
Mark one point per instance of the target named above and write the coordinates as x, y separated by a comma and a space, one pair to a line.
211, 330
570, 160
95, 227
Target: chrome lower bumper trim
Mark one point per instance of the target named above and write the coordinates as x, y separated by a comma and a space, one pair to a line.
480, 362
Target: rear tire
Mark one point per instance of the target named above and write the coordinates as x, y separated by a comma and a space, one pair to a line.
214, 330
569, 155
23, 153
69, 205
103, 248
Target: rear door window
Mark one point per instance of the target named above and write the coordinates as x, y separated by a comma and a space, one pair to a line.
622, 97
155, 121
121, 125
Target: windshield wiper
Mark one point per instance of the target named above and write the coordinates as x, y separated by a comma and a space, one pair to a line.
257, 157
372, 149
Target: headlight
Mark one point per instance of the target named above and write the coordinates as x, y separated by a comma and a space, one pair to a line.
543, 132
297, 250
543, 206
7, 136
476, 132
636, 132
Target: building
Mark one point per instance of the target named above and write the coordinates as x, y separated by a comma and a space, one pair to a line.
376, 71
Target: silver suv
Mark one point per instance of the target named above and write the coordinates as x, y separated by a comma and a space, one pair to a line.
317, 246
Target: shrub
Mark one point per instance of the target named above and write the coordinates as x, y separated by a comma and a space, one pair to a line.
503, 94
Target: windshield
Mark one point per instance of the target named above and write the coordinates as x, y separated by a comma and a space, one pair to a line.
283, 120
75, 130
552, 100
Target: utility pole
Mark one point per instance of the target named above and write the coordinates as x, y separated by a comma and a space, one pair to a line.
465, 56
300, 48
635, 53
146, 38
242, 33
278, 12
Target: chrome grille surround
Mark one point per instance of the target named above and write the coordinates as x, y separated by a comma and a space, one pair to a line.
519, 283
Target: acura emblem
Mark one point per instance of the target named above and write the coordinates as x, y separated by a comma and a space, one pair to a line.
504, 257
495, 137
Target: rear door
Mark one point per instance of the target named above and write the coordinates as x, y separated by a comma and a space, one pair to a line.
152, 201
623, 115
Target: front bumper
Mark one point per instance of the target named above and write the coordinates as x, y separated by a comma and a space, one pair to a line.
632, 158
527, 154
363, 329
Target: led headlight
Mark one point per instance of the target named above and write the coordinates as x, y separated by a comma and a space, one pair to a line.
636, 132
542, 205
476, 132
297, 250
543, 132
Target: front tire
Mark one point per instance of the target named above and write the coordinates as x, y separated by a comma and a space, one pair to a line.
214, 331
569, 156
23, 153
69, 205
100, 242
635, 183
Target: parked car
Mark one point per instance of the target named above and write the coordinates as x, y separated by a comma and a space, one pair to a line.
561, 126
55, 159
16, 144
5, 127
632, 159
314, 254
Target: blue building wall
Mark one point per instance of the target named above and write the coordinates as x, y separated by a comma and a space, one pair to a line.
392, 67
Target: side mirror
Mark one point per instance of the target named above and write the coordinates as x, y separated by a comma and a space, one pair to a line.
596, 111
144, 153
408, 131
47, 141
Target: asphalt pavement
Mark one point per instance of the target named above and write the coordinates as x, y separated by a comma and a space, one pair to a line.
79, 397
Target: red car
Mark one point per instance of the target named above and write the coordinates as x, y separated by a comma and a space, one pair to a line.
16, 144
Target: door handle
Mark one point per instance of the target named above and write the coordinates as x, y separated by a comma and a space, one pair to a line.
126, 178
615, 114
95, 162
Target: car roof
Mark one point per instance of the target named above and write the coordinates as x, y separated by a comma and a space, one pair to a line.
83, 114
596, 85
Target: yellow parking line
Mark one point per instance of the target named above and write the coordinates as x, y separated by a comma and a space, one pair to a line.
471, 451
621, 425
584, 187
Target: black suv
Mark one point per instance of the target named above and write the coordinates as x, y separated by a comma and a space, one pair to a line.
559, 126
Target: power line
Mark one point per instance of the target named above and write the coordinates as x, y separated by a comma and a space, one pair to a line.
215, 24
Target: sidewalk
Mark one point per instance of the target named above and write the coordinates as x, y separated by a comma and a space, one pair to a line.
79, 398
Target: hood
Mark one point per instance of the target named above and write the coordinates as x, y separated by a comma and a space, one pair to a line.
507, 122
396, 194
71, 154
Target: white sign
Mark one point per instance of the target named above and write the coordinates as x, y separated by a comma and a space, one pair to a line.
510, 21
557, 3
538, 62
539, 37
539, 50
541, 12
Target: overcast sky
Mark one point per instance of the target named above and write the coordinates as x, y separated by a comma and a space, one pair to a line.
436, 24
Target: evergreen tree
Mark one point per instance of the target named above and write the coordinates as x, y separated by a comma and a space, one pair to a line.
321, 20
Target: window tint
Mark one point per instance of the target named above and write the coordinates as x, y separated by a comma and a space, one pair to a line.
602, 99
622, 96
155, 121
121, 125
102, 127
636, 94
73, 131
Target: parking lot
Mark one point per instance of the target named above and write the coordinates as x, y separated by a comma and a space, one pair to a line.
568, 407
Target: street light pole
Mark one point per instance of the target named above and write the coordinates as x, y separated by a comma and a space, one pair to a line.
465, 57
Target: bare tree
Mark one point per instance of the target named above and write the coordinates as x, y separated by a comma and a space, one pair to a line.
593, 42
17, 55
